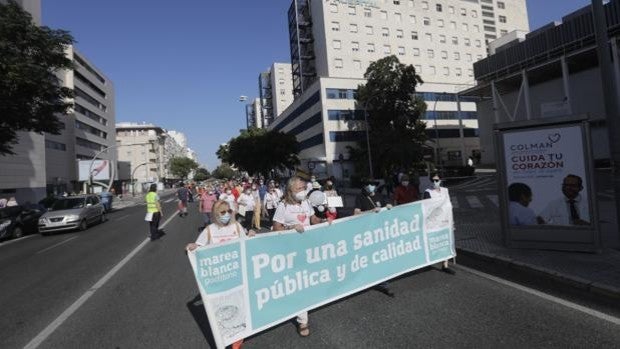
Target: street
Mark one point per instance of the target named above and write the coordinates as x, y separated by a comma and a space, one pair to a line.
58, 292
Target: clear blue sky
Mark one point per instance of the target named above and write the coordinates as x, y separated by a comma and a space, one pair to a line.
183, 64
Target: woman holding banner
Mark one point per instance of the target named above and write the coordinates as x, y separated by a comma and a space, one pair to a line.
295, 212
223, 228
438, 192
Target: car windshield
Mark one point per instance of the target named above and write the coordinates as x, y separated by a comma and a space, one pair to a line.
68, 204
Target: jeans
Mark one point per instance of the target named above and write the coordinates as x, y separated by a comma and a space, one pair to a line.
207, 218
154, 225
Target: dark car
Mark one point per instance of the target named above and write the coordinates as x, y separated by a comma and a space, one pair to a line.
17, 221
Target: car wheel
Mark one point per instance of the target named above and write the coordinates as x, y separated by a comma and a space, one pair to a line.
18, 232
83, 225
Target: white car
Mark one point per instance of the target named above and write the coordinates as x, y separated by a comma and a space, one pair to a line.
72, 212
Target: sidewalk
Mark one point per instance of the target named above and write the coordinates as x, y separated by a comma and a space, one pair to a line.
482, 240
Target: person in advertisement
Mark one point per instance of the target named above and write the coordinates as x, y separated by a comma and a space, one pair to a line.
223, 228
295, 212
520, 196
437, 191
570, 209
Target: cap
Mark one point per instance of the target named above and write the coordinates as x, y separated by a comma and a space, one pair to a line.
316, 185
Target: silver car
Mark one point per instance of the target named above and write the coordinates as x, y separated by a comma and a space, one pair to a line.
73, 212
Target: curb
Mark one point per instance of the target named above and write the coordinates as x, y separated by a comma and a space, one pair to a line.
570, 280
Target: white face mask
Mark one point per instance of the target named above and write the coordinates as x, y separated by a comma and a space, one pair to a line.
437, 184
405, 183
228, 192
321, 208
225, 218
370, 188
300, 196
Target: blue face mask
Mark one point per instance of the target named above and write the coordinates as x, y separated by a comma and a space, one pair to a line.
370, 188
225, 218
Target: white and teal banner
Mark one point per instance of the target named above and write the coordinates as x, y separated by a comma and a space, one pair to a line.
252, 284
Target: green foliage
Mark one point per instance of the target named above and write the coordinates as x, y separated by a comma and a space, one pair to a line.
30, 96
181, 167
201, 174
224, 171
259, 151
396, 133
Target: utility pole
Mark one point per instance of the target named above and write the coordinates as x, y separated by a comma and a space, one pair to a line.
610, 102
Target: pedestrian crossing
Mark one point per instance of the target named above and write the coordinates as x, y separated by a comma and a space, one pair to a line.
490, 201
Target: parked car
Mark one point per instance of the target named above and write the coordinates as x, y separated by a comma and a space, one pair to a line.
17, 221
72, 212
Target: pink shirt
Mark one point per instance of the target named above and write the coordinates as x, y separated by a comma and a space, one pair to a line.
207, 202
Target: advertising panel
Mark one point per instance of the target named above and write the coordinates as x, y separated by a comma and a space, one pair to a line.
100, 170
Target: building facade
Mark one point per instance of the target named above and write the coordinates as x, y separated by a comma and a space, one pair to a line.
333, 43
275, 87
143, 146
552, 71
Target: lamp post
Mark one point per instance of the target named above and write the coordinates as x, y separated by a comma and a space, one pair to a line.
370, 171
437, 160
243, 99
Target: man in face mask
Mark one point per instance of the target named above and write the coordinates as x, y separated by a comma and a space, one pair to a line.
405, 192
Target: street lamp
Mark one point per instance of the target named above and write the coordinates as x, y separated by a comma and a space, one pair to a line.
437, 96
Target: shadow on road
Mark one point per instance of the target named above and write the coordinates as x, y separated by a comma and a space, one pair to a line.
197, 309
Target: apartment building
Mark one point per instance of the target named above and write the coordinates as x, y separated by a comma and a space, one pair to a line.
143, 146
333, 43
275, 88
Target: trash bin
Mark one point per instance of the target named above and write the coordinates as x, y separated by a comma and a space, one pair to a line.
106, 200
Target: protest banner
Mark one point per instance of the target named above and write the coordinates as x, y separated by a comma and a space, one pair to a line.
252, 284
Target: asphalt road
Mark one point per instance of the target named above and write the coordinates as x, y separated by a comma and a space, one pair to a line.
153, 301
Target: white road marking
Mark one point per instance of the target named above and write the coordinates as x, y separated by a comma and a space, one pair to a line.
122, 217
58, 244
42, 336
474, 202
494, 199
169, 200
16, 240
571, 305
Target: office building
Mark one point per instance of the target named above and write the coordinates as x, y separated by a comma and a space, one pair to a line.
275, 88
333, 42
552, 71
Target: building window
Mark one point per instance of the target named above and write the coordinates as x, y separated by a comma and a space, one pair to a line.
470, 73
457, 56
502, 19
452, 25
444, 54
396, 2
412, 19
335, 26
367, 13
357, 64
469, 57
387, 49
446, 71
398, 17
465, 27
384, 15
355, 46
430, 53
463, 12
478, 43
432, 70
370, 48
399, 33
474, 14
336, 44
467, 42
352, 10
353, 28
442, 39
55, 145
401, 51
476, 28
282, 92
427, 21
451, 10
439, 8
459, 72
425, 5
385, 32
418, 69
455, 40
79, 93
501, 5
503, 32
369, 30
414, 35
338, 63
429, 37
416, 51
410, 3
440, 23
333, 8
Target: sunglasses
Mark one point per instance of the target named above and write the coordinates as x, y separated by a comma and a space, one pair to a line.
436, 180
226, 211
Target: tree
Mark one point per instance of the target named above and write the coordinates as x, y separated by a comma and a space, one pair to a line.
181, 166
201, 174
224, 171
396, 133
30, 95
259, 151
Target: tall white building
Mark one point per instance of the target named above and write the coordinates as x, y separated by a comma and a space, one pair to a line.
275, 88
333, 42
48, 163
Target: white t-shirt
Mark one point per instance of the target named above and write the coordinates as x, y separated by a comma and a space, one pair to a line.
220, 234
557, 211
442, 193
247, 200
271, 201
290, 215
520, 215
